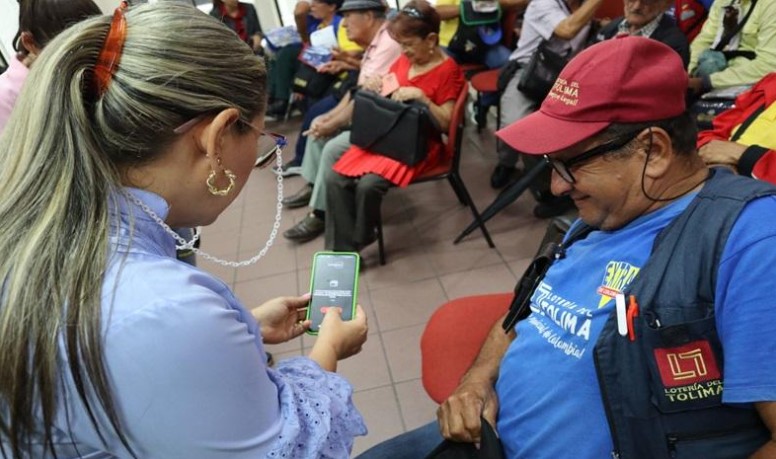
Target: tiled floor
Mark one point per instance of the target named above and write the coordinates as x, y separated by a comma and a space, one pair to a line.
424, 270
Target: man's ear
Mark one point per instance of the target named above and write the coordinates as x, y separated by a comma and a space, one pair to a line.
29, 43
212, 137
659, 150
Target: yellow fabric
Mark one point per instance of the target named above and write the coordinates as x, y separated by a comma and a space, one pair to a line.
762, 131
344, 43
448, 27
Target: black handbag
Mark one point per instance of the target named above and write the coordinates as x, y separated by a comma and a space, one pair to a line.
311, 82
398, 130
541, 72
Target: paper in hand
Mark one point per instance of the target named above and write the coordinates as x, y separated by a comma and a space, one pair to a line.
390, 84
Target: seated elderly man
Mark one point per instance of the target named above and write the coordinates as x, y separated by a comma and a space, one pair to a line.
650, 335
725, 54
329, 133
744, 137
647, 18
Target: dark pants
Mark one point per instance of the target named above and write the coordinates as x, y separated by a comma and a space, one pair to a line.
282, 68
352, 210
316, 109
414, 444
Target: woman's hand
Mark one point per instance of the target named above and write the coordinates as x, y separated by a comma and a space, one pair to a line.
374, 83
282, 318
338, 339
409, 93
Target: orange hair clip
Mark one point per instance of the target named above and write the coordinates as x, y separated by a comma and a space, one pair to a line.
110, 54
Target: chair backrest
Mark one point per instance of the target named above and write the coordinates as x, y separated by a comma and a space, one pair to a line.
455, 131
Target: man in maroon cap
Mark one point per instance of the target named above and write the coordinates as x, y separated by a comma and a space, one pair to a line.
660, 296
663, 299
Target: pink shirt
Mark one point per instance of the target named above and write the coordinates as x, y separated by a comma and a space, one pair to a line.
10, 84
378, 57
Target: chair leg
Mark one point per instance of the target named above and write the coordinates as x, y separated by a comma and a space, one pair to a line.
457, 183
456, 188
380, 244
498, 114
477, 115
289, 107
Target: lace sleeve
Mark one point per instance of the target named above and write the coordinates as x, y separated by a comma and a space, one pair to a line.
319, 418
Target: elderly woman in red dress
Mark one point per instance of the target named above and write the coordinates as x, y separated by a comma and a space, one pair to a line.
359, 180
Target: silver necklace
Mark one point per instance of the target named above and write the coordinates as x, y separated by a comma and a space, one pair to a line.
183, 244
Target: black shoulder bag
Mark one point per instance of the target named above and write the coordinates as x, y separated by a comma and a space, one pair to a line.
398, 130
543, 69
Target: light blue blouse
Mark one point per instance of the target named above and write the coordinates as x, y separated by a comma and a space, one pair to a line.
187, 367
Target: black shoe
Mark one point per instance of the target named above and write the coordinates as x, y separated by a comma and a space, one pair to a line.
300, 199
501, 176
553, 207
306, 230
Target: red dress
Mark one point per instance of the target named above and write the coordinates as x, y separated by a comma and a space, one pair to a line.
441, 84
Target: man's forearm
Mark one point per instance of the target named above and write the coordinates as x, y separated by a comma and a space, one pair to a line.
486, 365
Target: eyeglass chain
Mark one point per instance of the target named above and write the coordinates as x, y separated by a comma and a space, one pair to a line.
189, 245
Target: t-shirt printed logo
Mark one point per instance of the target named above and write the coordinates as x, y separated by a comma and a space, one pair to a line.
617, 278
568, 326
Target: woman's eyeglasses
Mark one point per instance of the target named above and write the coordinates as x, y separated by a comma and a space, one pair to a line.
268, 146
563, 168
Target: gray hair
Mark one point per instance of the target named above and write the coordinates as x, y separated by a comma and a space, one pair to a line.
61, 154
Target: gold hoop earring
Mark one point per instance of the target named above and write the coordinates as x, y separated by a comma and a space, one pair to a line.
211, 187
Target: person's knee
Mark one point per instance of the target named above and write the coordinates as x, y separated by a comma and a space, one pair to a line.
372, 185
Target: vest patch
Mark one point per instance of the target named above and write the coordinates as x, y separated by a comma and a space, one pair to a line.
689, 372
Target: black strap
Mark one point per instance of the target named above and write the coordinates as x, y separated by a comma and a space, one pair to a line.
726, 39
519, 308
747, 122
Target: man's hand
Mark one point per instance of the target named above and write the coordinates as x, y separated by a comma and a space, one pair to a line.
722, 152
332, 67
459, 415
695, 85
282, 319
321, 128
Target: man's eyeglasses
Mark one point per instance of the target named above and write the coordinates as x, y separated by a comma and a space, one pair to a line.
563, 168
268, 145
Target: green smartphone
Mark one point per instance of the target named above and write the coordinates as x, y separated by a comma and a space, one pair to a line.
333, 283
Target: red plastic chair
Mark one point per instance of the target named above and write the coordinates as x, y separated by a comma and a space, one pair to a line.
453, 338
447, 170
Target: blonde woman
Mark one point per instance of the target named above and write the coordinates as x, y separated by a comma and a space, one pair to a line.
111, 347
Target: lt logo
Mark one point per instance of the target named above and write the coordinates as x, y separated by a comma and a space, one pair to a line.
694, 365
685, 365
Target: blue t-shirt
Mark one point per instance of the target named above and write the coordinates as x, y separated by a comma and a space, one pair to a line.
550, 402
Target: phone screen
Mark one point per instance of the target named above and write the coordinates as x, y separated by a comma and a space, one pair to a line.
334, 283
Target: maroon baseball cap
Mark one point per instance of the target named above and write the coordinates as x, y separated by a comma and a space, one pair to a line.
622, 80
